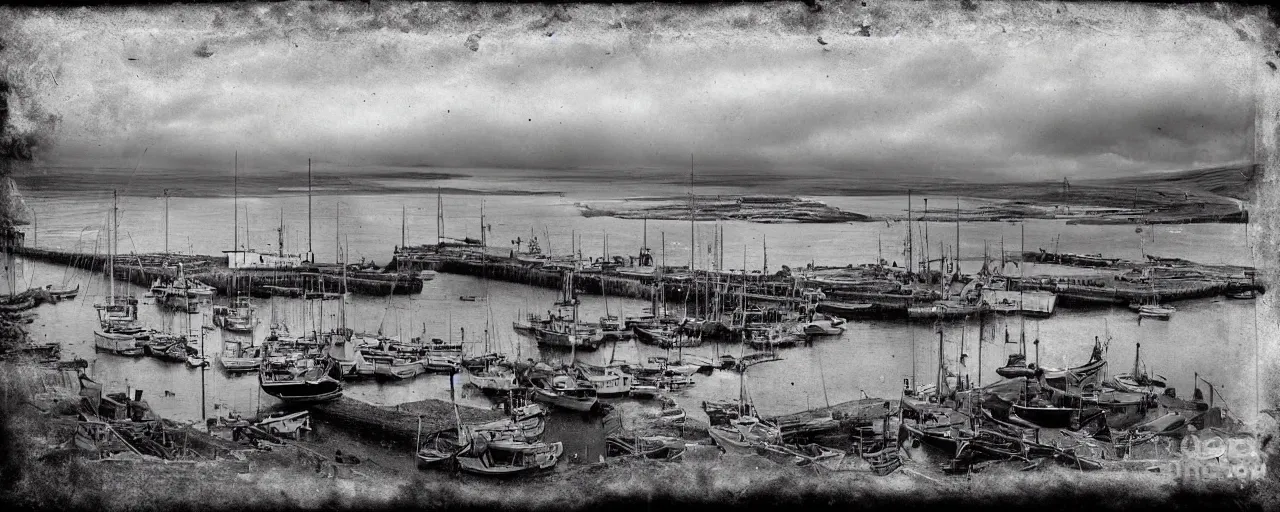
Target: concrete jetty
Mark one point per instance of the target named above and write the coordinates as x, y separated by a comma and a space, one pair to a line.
144, 269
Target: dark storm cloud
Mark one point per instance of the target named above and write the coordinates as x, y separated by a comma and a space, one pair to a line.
280, 90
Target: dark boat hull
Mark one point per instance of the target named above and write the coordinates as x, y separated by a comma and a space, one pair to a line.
305, 392
1045, 417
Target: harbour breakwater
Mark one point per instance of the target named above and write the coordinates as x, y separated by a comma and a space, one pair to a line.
144, 270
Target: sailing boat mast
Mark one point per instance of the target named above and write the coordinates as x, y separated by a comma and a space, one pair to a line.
956, 255
166, 221
927, 267
235, 204
1022, 319
280, 233
403, 227
310, 250
692, 243
910, 261
111, 253
938, 386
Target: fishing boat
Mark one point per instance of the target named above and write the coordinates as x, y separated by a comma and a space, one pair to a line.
947, 309
611, 329
301, 380
608, 381
1124, 410
493, 379
1243, 295
352, 362
427, 275
1156, 311
121, 336
439, 448
238, 317
197, 362
562, 391
645, 391
525, 424
1137, 381
808, 455
773, 338
235, 359
20, 305
671, 412
397, 368
1086, 376
468, 298
742, 436
507, 458
562, 329
441, 364
62, 293
822, 325
1043, 414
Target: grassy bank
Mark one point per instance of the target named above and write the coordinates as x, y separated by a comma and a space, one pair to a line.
39, 474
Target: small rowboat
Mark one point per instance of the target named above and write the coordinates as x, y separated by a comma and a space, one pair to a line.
468, 298
1156, 311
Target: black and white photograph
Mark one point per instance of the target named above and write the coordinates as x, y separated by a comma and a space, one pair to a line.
830, 254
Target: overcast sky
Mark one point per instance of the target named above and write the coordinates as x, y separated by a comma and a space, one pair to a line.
201, 88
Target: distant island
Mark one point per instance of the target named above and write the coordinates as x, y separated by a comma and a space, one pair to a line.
1213, 195
763, 209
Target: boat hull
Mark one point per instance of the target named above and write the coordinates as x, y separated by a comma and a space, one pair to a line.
239, 364
578, 404
119, 344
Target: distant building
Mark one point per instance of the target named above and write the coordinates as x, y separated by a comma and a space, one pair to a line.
250, 259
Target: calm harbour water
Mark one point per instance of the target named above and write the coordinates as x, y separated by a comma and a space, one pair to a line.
1213, 337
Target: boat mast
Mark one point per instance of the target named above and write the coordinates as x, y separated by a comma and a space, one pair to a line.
603, 289
692, 241
982, 327
439, 219
956, 256
644, 245
111, 252
310, 250
937, 389
1022, 319
573, 327
910, 261
235, 205
280, 232
166, 221
925, 221
403, 227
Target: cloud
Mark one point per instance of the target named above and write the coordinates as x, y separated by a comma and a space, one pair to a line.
279, 86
